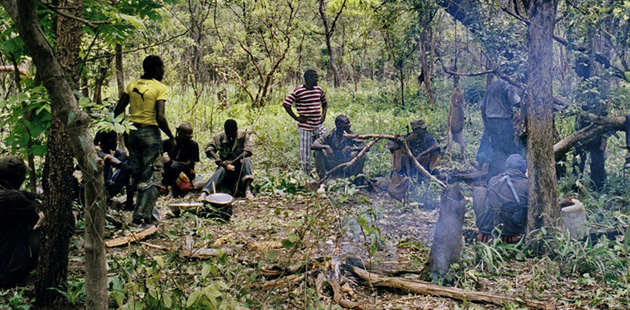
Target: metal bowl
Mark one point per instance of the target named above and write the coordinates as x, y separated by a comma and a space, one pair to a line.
218, 206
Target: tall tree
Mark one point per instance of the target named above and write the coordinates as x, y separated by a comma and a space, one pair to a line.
543, 211
329, 29
67, 118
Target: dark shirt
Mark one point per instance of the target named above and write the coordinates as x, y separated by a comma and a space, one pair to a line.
416, 145
337, 144
183, 151
499, 100
229, 150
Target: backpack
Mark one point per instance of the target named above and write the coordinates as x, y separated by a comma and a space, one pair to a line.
510, 217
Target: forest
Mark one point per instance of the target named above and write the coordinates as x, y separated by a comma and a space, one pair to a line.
299, 239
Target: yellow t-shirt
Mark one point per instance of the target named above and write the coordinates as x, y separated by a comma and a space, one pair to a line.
142, 97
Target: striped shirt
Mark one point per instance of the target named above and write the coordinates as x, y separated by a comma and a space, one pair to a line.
308, 103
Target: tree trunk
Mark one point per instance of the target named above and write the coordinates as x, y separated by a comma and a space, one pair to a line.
328, 31
427, 65
52, 267
120, 77
65, 113
542, 182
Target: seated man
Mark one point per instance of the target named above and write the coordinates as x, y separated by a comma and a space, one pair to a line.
423, 147
115, 180
19, 243
230, 150
333, 149
505, 207
179, 164
426, 151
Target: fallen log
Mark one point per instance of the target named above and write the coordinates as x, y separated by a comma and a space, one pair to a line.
134, 237
422, 287
601, 125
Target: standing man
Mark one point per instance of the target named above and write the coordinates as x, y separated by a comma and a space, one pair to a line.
311, 105
497, 114
147, 97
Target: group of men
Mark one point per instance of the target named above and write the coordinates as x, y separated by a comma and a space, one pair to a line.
150, 169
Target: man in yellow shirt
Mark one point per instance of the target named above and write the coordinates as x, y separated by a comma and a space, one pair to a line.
147, 97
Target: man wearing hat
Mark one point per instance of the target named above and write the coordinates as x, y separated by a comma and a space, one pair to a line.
504, 212
424, 148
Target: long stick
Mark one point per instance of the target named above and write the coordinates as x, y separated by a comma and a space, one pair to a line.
407, 150
419, 166
427, 288
350, 163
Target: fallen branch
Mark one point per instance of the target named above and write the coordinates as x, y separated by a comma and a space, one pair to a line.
348, 164
189, 252
601, 125
427, 288
156, 246
283, 282
134, 237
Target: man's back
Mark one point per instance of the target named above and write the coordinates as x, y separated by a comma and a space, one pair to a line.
499, 100
143, 93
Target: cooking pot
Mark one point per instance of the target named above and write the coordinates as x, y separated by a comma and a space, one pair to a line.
218, 205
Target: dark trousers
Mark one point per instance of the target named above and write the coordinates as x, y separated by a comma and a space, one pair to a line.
145, 155
501, 134
324, 163
233, 180
172, 172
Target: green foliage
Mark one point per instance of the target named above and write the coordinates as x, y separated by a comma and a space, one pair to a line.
75, 291
28, 117
150, 282
14, 299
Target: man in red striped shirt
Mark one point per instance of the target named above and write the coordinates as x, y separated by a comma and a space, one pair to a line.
311, 105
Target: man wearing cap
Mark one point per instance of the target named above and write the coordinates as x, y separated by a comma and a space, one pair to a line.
504, 212
311, 105
497, 113
424, 148
333, 149
231, 150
